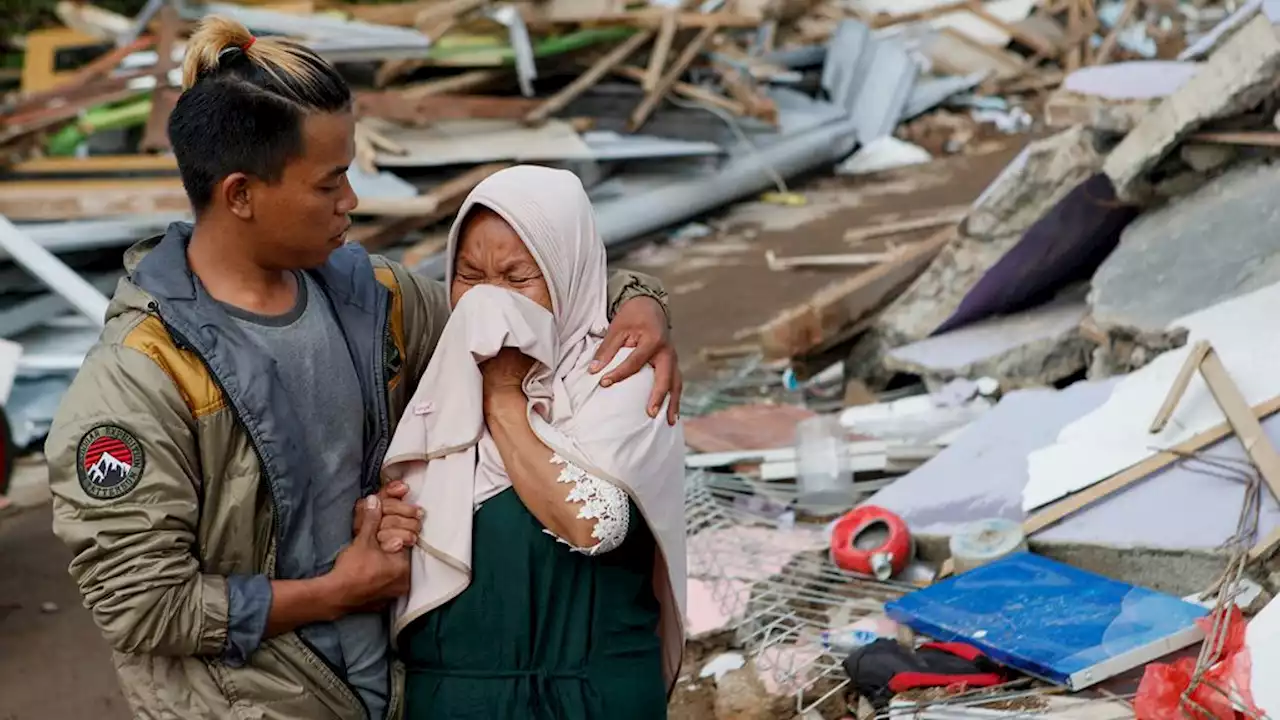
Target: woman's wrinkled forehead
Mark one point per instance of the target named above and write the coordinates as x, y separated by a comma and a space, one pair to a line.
487, 239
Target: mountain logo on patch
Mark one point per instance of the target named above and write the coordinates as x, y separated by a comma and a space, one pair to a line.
110, 462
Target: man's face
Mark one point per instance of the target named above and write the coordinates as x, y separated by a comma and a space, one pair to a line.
304, 217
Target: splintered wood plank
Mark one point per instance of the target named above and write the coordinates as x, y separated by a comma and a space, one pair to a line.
682, 63
393, 105
840, 305
35, 200
588, 79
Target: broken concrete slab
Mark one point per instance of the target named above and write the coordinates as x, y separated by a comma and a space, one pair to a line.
1035, 347
1114, 98
1207, 247
1066, 109
1046, 172
1239, 75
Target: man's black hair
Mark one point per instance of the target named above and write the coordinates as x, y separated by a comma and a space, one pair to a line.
244, 105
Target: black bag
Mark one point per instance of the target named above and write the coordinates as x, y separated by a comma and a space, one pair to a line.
885, 668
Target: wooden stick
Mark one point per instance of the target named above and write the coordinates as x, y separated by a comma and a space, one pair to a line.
842, 260
1258, 138
682, 63
661, 49
463, 82
1242, 420
689, 90
1058, 511
1180, 383
586, 80
1109, 42
944, 217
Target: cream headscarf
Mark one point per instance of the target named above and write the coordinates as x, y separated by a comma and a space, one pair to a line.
604, 431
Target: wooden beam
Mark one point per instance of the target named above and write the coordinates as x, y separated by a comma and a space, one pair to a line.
661, 49
36, 200
95, 164
155, 136
1256, 138
842, 304
586, 80
393, 105
682, 63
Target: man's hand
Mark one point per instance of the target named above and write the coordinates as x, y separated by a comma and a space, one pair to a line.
641, 323
365, 575
401, 521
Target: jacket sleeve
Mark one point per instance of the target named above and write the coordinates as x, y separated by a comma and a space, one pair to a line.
131, 521
425, 313
625, 285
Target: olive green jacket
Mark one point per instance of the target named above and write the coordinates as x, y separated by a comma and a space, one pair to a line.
175, 464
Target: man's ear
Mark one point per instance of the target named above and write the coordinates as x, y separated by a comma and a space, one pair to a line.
238, 195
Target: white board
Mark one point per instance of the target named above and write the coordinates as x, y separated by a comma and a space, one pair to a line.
1114, 437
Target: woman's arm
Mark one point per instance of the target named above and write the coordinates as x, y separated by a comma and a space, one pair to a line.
581, 510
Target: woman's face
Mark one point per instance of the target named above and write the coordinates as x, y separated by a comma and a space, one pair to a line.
491, 253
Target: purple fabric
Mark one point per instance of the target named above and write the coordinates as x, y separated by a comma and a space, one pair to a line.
1067, 244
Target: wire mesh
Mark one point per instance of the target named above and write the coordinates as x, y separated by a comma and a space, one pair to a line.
773, 583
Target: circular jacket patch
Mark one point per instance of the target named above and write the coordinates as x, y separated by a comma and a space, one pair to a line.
110, 462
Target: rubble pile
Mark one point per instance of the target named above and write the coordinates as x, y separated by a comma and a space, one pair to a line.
1063, 389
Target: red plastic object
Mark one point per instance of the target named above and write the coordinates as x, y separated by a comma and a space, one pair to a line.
1163, 684
882, 561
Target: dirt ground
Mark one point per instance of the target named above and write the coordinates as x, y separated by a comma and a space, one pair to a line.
53, 663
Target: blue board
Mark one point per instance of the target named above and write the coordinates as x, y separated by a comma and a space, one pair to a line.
1050, 620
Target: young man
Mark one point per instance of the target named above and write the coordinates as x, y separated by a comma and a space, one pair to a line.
207, 458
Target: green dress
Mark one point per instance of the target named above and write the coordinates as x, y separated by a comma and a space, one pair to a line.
542, 632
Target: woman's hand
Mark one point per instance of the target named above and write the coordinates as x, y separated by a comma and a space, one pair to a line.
401, 521
641, 323
505, 371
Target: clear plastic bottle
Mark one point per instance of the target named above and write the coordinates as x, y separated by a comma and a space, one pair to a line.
823, 470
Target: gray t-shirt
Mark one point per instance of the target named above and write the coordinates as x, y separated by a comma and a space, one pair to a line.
317, 372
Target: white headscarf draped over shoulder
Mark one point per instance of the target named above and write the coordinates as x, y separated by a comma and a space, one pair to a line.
604, 431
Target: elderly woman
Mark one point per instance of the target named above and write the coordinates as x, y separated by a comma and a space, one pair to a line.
548, 579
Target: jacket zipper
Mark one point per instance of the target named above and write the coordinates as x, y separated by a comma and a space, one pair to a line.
380, 392
185, 344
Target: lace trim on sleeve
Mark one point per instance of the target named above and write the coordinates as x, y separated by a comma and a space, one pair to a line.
601, 501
